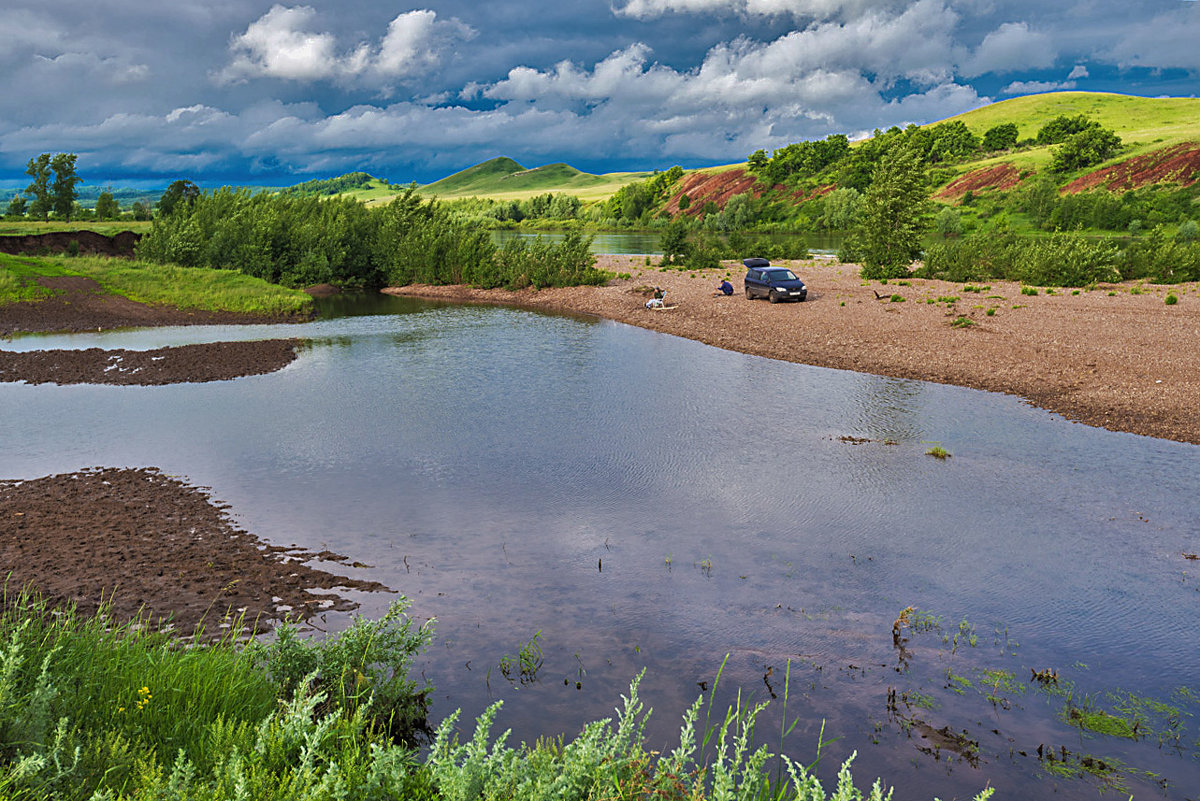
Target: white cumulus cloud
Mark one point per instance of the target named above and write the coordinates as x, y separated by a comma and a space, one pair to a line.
810, 9
283, 44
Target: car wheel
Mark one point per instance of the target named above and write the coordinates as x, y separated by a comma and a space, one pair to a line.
771, 296
749, 294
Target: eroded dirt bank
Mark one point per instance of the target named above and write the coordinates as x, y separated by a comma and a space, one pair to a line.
1116, 356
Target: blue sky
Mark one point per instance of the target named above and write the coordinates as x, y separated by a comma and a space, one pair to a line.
244, 91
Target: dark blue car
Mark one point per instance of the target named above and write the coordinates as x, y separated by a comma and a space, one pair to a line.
773, 283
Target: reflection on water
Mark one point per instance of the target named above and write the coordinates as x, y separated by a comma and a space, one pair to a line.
646, 501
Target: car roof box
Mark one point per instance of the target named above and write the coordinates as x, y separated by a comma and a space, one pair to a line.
756, 263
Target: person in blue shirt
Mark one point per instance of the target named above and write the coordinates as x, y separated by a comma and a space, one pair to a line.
724, 288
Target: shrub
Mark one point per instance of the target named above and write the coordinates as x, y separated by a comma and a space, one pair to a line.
1085, 149
1065, 260
539, 264
1171, 299
1000, 137
362, 670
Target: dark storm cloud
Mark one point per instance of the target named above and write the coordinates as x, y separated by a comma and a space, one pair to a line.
274, 90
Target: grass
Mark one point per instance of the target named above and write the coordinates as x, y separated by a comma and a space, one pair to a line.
26, 227
196, 288
1144, 124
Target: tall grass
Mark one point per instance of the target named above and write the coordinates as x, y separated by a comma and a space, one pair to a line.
88, 705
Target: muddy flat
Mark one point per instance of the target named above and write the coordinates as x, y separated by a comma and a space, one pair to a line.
151, 546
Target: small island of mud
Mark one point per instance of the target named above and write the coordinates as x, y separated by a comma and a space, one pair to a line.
80, 304
214, 361
150, 545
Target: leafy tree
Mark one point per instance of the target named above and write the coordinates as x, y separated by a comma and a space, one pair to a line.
107, 207
65, 180
951, 141
843, 208
1000, 137
1085, 149
674, 240
758, 161
1188, 231
141, 211
16, 207
948, 222
1062, 127
889, 237
39, 169
684, 201
178, 192
1039, 199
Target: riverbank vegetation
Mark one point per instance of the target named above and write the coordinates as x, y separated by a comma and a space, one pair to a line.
200, 289
90, 709
298, 240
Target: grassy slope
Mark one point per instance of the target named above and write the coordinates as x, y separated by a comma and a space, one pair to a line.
1144, 124
182, 287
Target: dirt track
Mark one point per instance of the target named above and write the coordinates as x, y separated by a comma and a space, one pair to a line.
1106, 357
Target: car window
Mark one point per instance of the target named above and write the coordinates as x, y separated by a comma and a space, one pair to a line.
782, 275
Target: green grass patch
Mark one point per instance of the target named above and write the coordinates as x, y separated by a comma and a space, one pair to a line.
197, 288
27, 227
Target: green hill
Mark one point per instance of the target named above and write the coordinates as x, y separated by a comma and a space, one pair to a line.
1145, 124
502, 178
474, 180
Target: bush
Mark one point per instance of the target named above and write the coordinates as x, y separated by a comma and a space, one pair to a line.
1066, 260
362, 670
1161, 260
540, 264
1085, 149
1000, 137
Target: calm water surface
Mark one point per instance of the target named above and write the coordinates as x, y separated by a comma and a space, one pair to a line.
644, 501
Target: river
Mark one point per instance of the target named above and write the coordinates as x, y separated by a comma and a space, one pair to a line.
640, 501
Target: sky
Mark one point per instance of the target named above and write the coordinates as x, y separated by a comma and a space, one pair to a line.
265, 93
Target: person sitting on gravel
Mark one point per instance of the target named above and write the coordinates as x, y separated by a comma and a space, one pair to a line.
656, 302
723, 288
